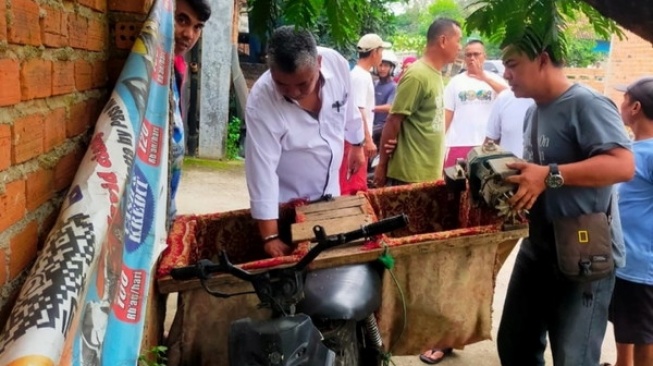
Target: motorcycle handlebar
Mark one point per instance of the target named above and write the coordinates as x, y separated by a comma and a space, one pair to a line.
205, 267
378, 228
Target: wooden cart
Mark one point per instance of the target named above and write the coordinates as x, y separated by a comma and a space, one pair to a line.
447, 260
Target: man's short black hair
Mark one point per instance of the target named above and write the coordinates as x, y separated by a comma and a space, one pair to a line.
474, 41
201, 7
290, 48
439, 27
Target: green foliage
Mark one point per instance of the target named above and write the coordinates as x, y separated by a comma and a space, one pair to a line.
408, 42
233, 138
154, 357
338, 23
535, 25
413, 25
581, 53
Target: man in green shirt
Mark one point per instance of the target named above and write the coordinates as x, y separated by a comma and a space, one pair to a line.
416, 120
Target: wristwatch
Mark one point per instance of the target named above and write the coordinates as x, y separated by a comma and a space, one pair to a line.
554, 179
360, 144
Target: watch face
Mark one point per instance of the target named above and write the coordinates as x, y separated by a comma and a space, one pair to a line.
554, 181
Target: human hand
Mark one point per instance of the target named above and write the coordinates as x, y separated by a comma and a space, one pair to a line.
475, 69
370, 148
531, 184
277, 248
380, 173
390, 146
356, 159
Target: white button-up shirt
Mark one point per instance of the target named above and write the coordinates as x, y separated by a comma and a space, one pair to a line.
291, 154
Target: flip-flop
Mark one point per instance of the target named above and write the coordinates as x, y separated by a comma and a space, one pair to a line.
431, 360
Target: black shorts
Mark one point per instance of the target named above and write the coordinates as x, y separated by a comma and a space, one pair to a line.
631, 312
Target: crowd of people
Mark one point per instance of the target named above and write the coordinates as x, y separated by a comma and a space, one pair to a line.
313, 122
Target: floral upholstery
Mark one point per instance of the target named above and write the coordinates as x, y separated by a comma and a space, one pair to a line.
450, 289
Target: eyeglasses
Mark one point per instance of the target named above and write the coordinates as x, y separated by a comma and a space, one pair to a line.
473, 54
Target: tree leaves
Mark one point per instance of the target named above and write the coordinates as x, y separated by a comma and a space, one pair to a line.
535, 25
339, 22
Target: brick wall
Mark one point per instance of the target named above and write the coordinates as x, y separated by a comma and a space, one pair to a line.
56, 57
594, 78
630, 59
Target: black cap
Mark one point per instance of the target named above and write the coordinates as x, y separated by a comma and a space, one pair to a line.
641, 91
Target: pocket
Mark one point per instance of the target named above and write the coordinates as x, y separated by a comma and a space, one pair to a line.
584, 246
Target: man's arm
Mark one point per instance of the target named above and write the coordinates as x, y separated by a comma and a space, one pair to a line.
448, 117
496, 85
263, 151
476, 71
382, 108
390, 132
613, 166
370, 148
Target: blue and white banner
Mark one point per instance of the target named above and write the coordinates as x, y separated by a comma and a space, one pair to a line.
84, 300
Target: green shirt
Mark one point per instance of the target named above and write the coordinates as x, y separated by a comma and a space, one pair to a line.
419, 155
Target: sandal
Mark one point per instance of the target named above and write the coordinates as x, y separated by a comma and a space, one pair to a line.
431, 359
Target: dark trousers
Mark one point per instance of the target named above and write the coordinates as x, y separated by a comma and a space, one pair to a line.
540, 300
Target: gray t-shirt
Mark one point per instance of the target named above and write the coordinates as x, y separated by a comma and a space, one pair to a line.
578, 125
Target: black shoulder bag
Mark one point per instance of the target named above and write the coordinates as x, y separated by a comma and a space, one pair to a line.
583, 243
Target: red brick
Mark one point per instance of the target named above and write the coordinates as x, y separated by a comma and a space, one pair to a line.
54, 27
83, 75
55, 129
12, 204
39, 188
23, 249
36, 79
133, 6
10, 81
3, 29
126, 33
46, 226
65, 170
63, 77
99, 74
77, 30
80, 119
94, 4
98, 32
24, 27
4, 271
5, 148
27, 138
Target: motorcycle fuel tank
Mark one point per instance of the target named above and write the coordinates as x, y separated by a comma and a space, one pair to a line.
346, 292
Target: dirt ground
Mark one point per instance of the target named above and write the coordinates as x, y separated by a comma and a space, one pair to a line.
208, 188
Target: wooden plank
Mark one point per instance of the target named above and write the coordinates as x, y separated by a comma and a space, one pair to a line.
339, 202
354, 254
332, 214
303, 231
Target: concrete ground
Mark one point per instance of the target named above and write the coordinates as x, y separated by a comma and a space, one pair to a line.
209, 188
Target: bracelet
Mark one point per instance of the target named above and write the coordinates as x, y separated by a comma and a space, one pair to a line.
269, 238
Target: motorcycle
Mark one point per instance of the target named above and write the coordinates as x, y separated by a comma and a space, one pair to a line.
319, 318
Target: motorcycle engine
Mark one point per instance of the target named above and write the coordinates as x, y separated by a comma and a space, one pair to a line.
485, 171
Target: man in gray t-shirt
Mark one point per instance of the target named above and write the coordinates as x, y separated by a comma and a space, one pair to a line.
583, 151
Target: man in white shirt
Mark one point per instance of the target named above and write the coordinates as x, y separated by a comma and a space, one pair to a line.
468, 100
506, 123
299, 114
370, 49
